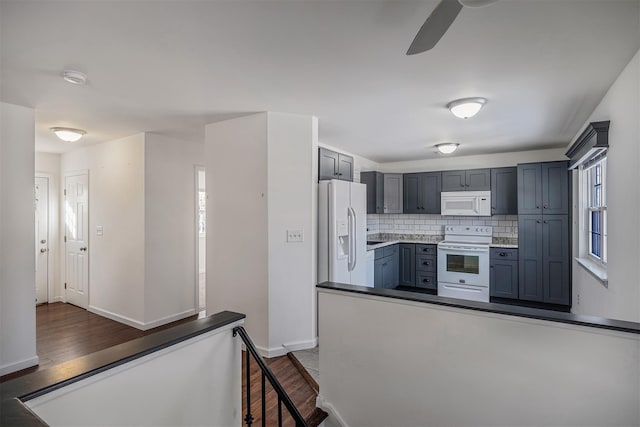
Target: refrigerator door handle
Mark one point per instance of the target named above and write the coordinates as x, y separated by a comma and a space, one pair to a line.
350, 237
353, 238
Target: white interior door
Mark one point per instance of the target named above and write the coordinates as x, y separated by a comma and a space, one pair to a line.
41, 204
77, 239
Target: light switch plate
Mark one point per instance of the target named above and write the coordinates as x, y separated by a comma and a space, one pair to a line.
295, 236
99, 231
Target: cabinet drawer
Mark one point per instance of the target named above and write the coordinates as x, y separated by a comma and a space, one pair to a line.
426, 263
426, 250
426, 280
506, 254
390, 250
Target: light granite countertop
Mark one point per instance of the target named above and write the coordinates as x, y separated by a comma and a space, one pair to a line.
391, 239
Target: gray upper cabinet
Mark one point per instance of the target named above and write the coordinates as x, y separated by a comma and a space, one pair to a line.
555, 259
555, 188
392, 193
466, 180
375, 191
422, 192
504, 191
543, 188
332, 165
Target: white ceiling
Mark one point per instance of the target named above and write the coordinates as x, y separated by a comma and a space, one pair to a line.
173, 66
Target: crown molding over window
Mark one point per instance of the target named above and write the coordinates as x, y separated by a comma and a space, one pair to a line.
591, 144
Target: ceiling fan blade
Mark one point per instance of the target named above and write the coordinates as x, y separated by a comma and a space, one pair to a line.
435, 26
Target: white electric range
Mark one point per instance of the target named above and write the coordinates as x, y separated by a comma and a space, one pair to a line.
463, 262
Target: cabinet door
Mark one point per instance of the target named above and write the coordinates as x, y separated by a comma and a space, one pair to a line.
530, 261
555, 188
530, 189
478, 180
411, 189
407, 265
503, 279
345, 167
431, 184
504, 191
327, 164
454, 180
392, 193
555, 259
389, 272
377, 272
375, 185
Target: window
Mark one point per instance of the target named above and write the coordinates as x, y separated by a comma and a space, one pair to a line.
202, 217
596, 210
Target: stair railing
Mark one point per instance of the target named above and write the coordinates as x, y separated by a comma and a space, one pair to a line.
283, 397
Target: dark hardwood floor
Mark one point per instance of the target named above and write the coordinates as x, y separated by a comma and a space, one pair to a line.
65, 332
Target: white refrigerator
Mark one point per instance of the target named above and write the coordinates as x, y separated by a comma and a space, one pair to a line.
342, 232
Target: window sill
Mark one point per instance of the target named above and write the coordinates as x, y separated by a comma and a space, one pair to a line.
596, 270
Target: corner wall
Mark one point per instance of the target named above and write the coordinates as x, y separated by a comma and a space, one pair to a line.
170, 228
17, 265
621, 299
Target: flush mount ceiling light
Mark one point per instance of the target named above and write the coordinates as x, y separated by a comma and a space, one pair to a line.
447, 147
75, 77
68, 134
467, 107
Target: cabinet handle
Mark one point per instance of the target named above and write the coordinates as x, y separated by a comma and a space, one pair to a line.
544, 206
461, 185
340, 174
545, 222
537, 221
503, 254
425, 263
425, 250
384, 264
537, 206
467, 185
426, 280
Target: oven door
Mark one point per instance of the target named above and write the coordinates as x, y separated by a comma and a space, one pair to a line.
463, 264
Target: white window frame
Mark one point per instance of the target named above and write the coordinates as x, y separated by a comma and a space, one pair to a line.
594, 206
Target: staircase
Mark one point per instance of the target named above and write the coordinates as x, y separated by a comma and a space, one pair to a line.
267, 407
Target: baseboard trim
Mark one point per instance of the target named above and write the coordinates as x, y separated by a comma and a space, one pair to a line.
18, 366
117, 317
56, 299
169, 319
286, 348
334, 415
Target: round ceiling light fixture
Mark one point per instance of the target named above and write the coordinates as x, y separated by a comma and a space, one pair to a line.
447, 147
68, 134
476, 3
74, 77
466, 107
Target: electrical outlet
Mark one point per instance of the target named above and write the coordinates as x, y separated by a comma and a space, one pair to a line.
578, 299
295, 236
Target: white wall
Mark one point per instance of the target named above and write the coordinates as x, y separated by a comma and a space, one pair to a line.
456, 162
388, 362
291, 142
621, 300
237, 245
116, 202
170, 228
49, 164
196, 382
17, 265
261, 182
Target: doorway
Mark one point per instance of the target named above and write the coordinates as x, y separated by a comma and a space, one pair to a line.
201, 238
76, 238
42, 231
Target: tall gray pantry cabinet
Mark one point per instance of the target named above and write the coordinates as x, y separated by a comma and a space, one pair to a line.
543, 232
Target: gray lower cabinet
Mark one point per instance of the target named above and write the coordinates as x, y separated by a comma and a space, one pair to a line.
407, 267
392, 193
385, 267
418, 266
544, 259
466, 180
422, 192
504, 191
375, 191
333, 165
503, 273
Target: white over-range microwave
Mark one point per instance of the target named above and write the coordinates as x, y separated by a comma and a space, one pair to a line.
466, 203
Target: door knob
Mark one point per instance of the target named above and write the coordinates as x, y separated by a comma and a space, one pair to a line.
43, 250
84, 248
43, 241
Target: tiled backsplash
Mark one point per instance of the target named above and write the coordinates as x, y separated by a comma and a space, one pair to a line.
503, 225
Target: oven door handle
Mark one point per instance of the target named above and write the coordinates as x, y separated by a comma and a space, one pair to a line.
465, 288
462, 248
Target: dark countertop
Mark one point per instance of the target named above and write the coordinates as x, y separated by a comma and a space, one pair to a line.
509, 310
13, 392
